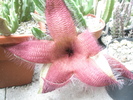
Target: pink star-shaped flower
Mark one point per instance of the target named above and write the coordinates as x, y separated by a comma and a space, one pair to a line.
70, 54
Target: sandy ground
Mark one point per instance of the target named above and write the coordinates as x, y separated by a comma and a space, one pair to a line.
72, 91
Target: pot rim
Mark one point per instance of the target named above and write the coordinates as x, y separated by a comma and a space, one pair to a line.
13, 39
120, 39
101, 20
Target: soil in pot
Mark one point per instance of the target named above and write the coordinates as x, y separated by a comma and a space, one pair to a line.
95, 24
122, 49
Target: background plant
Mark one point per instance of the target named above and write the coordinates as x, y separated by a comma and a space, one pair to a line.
39, 16
104, 9
85, 6
13, 12
78, 9
121, 18
101, 8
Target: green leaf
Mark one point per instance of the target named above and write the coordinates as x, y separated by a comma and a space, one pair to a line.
40, 34
37, 33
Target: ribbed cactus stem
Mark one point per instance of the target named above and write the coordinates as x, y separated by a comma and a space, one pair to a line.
40, 6
27, 7
76, 14
107, 13
16, 4
121, 27
121, 18
116, 22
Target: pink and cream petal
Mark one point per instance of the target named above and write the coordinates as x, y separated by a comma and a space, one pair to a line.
90, 73
43, 74
59, 20
49, 86
115, 64
37, 51
57, 75
103, 64
45, 85
87, 44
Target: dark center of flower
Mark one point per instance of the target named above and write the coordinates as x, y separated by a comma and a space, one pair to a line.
69, 51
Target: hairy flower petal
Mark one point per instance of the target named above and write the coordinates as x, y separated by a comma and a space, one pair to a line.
38, 51
115, 64
89, 73
50, 86
87, 44
58, 74
59, 20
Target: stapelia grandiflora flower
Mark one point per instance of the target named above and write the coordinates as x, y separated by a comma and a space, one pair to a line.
69, 53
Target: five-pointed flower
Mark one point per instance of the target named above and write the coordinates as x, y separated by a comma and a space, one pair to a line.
70, 54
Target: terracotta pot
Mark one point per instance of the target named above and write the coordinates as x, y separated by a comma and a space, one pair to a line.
14, 72
97, 32
13, 39
42, 26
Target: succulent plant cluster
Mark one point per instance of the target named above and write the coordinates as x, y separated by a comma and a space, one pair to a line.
14, 12
101, 8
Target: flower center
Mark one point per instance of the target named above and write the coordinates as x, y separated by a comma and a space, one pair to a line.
69, 51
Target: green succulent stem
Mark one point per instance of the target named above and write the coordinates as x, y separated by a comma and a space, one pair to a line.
76, 14
39, 6
104, 9
16, 11
108, 10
